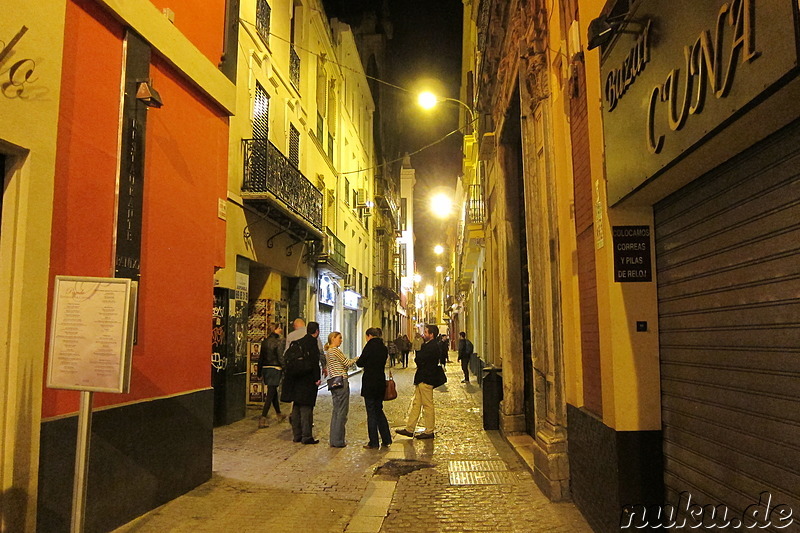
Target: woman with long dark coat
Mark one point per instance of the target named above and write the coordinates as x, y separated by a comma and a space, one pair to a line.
373, 388
269, 368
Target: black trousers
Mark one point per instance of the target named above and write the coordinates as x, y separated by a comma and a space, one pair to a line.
302, 419
465, 368
272, 399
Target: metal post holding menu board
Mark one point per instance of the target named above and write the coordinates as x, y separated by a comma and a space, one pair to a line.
91, 342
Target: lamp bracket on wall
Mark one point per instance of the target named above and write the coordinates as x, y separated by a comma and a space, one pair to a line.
146, 94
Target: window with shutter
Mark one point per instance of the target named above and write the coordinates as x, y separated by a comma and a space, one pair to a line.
260, 113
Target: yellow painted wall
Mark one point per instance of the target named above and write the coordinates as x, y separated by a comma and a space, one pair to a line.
629, 360
28, 132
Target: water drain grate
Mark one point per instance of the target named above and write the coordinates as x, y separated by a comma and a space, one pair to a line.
476, 466
480, 473
482, 478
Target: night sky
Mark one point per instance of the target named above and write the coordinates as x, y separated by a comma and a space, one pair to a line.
425, 54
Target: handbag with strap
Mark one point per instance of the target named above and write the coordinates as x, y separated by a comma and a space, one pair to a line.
391, 388
336, 382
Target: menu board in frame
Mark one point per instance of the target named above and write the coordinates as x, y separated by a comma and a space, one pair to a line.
91, 334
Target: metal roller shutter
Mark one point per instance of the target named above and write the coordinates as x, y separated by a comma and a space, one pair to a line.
729, 319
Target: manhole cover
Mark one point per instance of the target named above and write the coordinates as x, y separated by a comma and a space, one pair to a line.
476, 466
400, 467
482, 478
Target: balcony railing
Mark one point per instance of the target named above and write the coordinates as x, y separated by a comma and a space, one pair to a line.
268, 172
386, 198
294, 67
476, 209
388, 282
333, 254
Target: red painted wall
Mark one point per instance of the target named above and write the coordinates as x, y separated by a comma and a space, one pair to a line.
201, 22
182, 238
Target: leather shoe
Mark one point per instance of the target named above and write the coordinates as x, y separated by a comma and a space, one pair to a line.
297, 439
370, 447
423, 436
311, 441
404, 432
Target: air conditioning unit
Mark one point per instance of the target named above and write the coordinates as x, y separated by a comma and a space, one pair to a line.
361, 198
487, 146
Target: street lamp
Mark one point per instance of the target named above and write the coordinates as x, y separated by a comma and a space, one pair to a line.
441, 205
438, 249
428, 100
439, 269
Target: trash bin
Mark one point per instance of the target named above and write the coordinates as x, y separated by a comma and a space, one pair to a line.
492, 395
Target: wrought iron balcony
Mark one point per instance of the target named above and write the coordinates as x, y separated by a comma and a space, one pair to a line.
386, 198
273, 184
388, 283
475, 206
333, 254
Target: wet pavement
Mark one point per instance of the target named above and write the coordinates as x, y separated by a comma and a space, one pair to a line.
465, 479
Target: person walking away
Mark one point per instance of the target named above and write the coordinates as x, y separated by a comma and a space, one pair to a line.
298, 333
373, 388
404, 349
393, 351
427, 359
302, 377
465, 350
338, 363
270, 370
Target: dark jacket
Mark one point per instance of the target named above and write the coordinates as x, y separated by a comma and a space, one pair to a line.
302, 389
271, 352
427, 360
465, 349
373, 361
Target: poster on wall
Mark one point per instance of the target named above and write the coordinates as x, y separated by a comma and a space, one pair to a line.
91, 334
219, 348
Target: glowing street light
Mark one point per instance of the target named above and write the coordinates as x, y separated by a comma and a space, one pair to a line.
441, 205
427, 100
417, 278
439, 269
429, 290
438, 249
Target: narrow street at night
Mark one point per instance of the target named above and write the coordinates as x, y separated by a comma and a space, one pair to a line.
465, 479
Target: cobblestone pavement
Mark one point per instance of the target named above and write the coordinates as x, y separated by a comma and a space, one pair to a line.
263, 482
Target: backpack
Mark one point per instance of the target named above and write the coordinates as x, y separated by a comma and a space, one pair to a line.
297, 361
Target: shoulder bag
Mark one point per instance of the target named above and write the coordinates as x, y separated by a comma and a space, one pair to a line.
391, 389
336, 382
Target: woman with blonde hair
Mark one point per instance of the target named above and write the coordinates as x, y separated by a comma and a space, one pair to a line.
339, 386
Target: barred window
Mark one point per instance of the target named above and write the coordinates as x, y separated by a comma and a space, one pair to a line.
260, 113
294, 146
263, 14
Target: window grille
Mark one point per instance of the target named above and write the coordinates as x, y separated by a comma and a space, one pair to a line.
294, 146
263, 14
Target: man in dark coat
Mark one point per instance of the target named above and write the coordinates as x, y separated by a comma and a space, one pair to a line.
373, 388
301, 389
427, 360
465, 349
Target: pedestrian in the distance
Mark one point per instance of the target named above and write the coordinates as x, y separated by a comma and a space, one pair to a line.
427, 360
393, 351
338, 363
404, 349
443, 347
417, 344
269, 368
465, 350
373, 388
